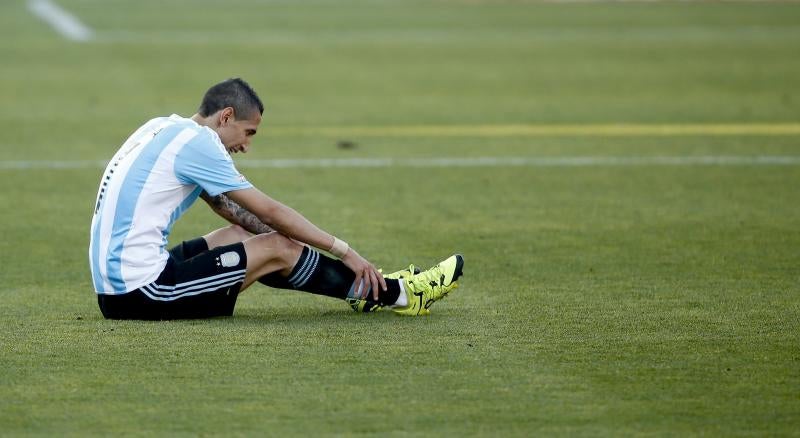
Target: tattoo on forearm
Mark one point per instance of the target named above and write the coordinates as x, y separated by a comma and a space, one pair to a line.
238, 215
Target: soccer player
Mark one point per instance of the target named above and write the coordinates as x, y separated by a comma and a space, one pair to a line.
160, 171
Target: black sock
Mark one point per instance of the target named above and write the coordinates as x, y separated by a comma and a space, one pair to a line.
323, 275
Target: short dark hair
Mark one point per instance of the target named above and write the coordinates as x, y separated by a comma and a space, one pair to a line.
235, 93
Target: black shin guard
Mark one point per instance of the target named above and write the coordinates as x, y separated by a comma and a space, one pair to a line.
321, 275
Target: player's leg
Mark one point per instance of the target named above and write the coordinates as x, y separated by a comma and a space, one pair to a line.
226, 236
221, 237
280, 259
235, 233
205, 275
270, 259
270, 253
280, 262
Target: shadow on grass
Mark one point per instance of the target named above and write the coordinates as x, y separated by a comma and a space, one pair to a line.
312, 320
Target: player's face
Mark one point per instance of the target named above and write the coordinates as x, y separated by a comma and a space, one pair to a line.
236, 134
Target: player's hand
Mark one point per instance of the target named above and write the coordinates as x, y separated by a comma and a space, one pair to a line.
367, 277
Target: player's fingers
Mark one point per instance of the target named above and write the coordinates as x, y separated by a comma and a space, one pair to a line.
382, 281
366, 284
369, 279
375, 283
358, 285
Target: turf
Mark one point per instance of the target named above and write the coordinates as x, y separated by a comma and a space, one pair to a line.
597, 300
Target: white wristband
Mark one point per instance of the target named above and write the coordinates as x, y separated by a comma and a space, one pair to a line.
339, 248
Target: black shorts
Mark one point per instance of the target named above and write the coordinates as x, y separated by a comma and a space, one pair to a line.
196, 283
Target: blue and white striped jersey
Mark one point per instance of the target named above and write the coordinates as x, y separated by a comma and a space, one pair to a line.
154, 177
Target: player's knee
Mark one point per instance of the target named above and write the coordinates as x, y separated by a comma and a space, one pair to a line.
226, 236
239, 232
273, 246
289, 249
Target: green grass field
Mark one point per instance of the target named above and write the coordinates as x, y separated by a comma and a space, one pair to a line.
601, 297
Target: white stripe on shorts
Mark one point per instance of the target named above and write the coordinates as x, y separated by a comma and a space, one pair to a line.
162, 293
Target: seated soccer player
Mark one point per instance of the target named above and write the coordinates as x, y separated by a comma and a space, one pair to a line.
158, 173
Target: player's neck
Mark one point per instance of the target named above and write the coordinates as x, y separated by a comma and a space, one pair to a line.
200, 120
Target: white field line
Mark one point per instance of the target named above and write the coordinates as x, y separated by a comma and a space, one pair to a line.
544, 130
66, 24
453, 162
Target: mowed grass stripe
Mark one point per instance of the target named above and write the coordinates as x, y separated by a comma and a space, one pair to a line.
536, 130
576, 161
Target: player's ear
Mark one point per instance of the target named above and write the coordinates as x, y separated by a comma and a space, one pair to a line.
226, 115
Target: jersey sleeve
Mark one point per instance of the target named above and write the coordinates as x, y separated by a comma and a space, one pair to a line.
206, 163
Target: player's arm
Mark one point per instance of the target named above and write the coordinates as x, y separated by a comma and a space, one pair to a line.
290, 223
234, 213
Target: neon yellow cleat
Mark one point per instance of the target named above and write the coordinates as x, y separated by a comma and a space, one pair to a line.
359, 305
403, 273
427, 287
